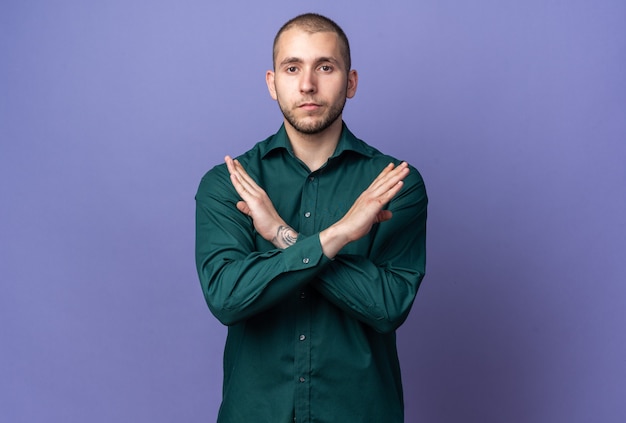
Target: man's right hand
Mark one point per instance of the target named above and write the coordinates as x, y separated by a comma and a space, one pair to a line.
257, 204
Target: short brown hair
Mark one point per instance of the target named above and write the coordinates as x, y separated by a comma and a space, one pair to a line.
312, 22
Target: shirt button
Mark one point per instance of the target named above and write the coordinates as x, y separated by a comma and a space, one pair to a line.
307, 214
305, 260
302, 337
302, 379
311, 178
302, 295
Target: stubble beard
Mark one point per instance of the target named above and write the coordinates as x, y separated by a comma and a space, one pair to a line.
316, 126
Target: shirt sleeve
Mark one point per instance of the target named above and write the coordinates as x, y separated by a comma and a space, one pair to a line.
379, 288
238, 281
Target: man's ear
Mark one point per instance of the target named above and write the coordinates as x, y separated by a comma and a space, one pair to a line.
353, 81
271, 87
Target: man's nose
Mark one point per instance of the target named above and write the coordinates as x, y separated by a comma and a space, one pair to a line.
308, 82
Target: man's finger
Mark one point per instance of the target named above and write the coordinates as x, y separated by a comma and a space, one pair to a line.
383, 216
245, 179
388, 178
242, 206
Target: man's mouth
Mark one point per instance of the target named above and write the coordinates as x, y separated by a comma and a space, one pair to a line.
309, 106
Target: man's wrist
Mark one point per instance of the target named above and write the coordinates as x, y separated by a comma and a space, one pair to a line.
285, 237
332, 240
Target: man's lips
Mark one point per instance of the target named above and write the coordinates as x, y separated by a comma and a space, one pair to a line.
309, 106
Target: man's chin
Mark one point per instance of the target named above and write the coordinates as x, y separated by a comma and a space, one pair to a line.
312, 130
308, 127
312, 126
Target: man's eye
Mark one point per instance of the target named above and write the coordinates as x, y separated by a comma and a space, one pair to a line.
291, 69
326, 68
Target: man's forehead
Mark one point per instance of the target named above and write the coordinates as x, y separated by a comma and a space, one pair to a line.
299, 39
300, 45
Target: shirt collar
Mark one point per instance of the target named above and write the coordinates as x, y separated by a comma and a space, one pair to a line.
347, 142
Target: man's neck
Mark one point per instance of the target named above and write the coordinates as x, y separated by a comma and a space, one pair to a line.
315, 149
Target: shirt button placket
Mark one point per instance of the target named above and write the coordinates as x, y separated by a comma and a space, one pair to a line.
303, 314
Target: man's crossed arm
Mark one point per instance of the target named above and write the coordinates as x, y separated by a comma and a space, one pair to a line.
356, 223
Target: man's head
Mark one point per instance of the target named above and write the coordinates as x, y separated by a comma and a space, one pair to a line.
312, 78
313, 23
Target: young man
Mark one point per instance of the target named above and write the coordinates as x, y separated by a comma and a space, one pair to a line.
311, 248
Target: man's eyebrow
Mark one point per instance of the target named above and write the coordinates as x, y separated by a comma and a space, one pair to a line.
289, 60
327, 59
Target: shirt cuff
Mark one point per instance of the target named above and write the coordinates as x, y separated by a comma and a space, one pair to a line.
305, 253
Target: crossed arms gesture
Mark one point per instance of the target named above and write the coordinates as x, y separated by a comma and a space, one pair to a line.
356, 223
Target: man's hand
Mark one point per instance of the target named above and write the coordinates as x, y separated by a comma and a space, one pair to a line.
366, 210
257, 204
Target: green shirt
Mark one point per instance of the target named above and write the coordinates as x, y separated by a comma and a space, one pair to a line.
310, 339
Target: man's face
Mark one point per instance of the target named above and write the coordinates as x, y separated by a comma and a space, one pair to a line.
310, 81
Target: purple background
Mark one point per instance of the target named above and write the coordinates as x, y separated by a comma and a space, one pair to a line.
514, 111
